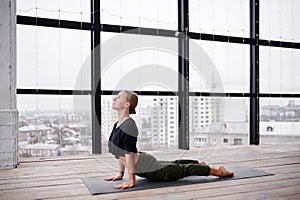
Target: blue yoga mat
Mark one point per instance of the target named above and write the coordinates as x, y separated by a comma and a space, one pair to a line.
97, 185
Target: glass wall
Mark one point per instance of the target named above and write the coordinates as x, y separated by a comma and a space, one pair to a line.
54, 59
219, 67
59, 59
141, 63
138, 62
146, 13
280, 120
63, 63
279, 20
220, 17
279, 69
219, 121
54, 125
278, 74
73, 10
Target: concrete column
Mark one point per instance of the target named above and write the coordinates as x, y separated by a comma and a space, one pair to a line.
8, 110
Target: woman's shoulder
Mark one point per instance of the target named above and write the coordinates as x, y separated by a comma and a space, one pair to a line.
129, 127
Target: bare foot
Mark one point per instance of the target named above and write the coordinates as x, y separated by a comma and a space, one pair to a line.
223, 172
202, 163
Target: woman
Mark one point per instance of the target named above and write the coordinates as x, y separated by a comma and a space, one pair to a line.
122, 144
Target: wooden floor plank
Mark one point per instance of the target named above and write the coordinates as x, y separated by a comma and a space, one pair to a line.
49, 191
295, 196
273, 193
230, 191
60, 178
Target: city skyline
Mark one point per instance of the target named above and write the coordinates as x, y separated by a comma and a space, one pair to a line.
66, 133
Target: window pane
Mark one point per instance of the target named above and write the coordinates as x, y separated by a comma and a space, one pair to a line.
140, 13
219, 67
279, 70
280, 19
73, 10
218, 121
220, 17
51, 126
279, 120
63, 63
156, 119
136, 62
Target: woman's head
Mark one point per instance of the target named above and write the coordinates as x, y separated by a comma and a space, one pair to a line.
126, 100
132, 98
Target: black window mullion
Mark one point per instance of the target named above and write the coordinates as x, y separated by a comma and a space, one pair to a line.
52, 92
53, 23
254, 72
95, 73
183, 75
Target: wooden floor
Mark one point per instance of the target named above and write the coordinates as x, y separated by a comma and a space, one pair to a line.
60, 179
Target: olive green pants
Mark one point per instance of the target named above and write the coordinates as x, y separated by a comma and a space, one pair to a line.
148, 167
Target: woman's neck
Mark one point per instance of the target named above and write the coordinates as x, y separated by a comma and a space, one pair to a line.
122, 116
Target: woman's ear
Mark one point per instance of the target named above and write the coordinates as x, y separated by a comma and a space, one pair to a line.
127, 104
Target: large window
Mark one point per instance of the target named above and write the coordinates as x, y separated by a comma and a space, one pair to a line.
280, 20
141, 46
73, 10
62, 63
219, 67
138, 62
220, 17
279, 111
218, 121
279, 69
147, 13
280, 120
54, 125
54, 60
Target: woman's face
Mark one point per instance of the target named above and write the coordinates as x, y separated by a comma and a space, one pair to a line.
120, 101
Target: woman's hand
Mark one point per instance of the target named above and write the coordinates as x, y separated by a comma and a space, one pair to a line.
124, 185
114, 178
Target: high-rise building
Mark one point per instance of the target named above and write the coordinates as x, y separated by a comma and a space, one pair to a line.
204, 111
108, 118
164, 122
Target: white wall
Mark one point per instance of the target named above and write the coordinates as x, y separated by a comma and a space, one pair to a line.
8, 111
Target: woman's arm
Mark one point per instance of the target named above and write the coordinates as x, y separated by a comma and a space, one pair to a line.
129, 159
121, 172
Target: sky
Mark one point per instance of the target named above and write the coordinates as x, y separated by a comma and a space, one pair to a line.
49, 58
